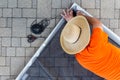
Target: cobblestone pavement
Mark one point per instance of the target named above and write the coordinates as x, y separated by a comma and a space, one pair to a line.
16, 17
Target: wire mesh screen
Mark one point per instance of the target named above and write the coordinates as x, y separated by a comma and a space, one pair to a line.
54, 64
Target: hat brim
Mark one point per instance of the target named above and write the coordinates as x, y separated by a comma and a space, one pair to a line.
73, 48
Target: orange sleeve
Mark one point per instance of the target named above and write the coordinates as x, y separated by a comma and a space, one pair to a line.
97, 40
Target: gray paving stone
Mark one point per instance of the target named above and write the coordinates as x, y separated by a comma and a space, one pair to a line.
8, 62
3, 52
12, 77
90, 74
19, 27
24, 42
107, 8
24, 3
79, 70
117, 13
112, 29
61, 62
55, 49
4, 70
114, 23
20, 51
96, 78
35, 71
7, 12
44, 8
58, 12
56, 3
12, 3
46, 32
6, 42
106, 22
117, 31
37, 42
76, 78
34, 3
17, 12
94, 12
29, 13
17, 64
3, 3
5, 32
10, 51
86, 78
76, 1
90, 5
29, 22
2, 61
66, 71
57, 20
43, 74
107, 13
46, 52
117, 4
27, 59
52, 24
48, 62
65, 3
15, 42
118, 24
3, 22
28, 32
30, 51
0, 41
5, 77
53, 12
67, 78
54, 72
107, 4
38, 78
9, 22
97, 4
0, 12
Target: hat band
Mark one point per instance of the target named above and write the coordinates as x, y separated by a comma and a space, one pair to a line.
78, 36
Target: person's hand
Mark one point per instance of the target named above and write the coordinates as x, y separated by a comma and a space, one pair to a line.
67, 15
79, 13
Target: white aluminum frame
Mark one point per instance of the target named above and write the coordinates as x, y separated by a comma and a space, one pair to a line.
75, 6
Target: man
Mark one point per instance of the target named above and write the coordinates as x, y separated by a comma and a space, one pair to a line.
94, 52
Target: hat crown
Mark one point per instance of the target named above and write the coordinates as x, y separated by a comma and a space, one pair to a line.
75, 36
72, 34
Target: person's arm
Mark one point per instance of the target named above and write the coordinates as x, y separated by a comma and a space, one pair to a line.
94, 22
68, 15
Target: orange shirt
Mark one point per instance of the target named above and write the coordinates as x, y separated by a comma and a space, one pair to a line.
100, 56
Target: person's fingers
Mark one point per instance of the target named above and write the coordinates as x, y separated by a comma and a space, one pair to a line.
81, 13
62, 15
71, 12
68, 11
67, 14
64, 12
78, 13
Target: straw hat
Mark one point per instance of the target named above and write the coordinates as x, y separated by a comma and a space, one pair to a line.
75, 36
